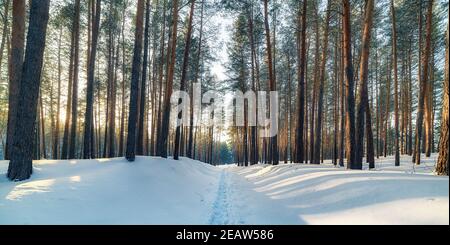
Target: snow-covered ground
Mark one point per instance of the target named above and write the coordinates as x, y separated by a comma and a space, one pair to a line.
156, 191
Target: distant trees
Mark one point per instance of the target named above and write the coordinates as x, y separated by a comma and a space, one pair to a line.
21, 152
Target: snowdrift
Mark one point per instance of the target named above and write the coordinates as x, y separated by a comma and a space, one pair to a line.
158, 191
110, 191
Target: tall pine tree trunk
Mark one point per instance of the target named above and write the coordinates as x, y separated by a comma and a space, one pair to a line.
135, 78
423, 83
15, 66
142, 97
274, 159
363, 109
349, 89
88, 121
301, 38
187, 49
21, 152
442, 167
169, 85
318, 127
396, 100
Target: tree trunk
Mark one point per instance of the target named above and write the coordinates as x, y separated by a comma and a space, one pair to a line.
87, 152
442, 167
423, 83
20, 165
342, 96
363, 109
274, 159
74, 116
58, 103
135, 78
15, 66
142, 97
318, 130
122, 108
315, 84
349, 93
187, 49
395, 61
5, 29
169, 85
301, 38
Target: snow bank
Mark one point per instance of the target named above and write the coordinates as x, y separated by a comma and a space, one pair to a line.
110, 191
157, 191
328, 195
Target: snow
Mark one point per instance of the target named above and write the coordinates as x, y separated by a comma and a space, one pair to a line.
159, 191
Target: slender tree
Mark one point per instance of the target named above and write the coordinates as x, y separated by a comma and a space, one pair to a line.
362, 105
396, 100
187, 49
318, 127
74, 101
88, 120
349, 85
301, 37
423, 83
135, 78
274, 159
142, 97
169, 83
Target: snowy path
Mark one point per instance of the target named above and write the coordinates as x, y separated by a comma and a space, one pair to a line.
224, 212
238, 203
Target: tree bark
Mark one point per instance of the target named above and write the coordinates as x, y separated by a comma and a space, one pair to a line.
169, 85
299, 146
318, 127
442, 167
142, 97
349, 87
363, 109
274, 159
20, 165
187, 49
135, 78
423, 83
15, 67
395, 61
87, 150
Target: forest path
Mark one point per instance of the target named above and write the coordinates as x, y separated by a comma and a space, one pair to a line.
224, 210
239, 203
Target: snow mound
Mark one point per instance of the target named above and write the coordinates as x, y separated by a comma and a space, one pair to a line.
163, 191
326, 194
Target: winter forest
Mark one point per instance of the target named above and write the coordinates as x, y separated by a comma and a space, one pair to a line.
362, 90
